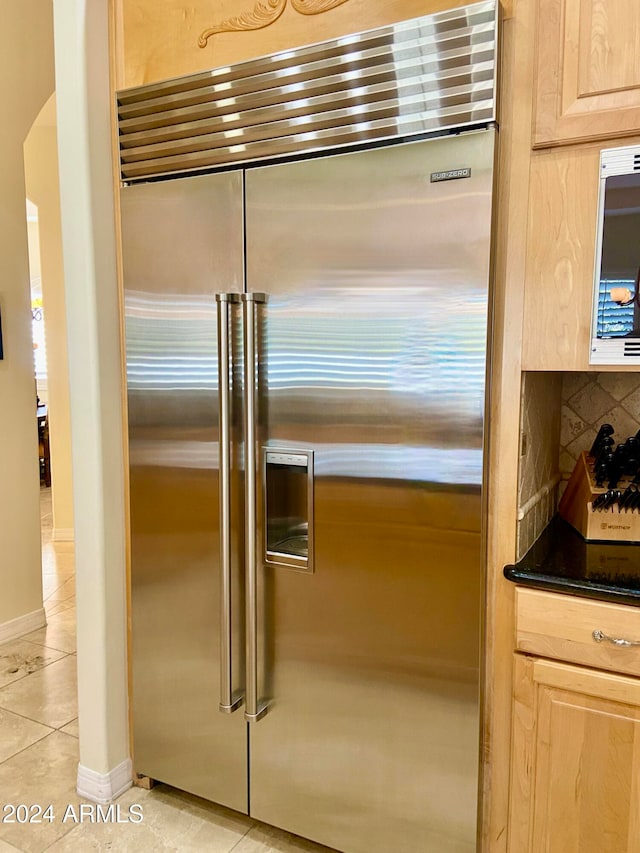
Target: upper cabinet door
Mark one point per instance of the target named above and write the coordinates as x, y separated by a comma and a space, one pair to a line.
588, 71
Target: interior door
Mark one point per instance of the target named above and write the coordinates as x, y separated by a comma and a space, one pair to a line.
372, 353
182, 243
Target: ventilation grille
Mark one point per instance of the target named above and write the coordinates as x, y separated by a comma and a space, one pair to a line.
619, 161
632, 348
427, 75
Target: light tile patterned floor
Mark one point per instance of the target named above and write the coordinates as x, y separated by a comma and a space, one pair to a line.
39, 752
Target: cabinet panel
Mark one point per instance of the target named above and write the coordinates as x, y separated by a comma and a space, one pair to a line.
608, 57
563, 204
588, 69
561, 626
576, 754
561, 244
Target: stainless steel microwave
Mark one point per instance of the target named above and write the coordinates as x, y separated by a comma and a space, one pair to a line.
615, 326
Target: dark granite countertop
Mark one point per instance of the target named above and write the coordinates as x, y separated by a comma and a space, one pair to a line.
561, 561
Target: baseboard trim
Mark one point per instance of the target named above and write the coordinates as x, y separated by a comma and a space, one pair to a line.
63, 534
15, 628
103, 788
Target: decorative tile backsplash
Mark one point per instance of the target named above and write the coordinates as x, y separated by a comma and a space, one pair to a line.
560, 416
592, 399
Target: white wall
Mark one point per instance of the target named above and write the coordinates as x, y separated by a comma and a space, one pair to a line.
41, 170
26, 81
88, 230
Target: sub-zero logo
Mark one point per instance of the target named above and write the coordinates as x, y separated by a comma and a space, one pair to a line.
450, 175
605, 526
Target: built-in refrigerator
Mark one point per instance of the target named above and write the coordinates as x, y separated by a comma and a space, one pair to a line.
306, 360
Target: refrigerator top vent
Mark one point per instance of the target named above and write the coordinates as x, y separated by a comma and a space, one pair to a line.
429, 75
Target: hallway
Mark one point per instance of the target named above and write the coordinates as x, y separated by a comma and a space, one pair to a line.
39, 752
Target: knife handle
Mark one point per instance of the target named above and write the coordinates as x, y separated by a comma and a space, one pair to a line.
604, 453
602, 467
605, 446
614, 497
633, 455
617, 465
627, 497
605, 431
614, 478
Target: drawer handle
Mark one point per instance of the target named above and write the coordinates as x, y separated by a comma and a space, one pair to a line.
601, 637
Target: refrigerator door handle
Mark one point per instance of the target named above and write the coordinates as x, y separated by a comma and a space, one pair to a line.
228, 703
254, 711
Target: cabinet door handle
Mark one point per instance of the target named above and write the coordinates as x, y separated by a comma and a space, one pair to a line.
601, 637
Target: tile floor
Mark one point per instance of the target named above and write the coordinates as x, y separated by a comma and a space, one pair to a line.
39, 753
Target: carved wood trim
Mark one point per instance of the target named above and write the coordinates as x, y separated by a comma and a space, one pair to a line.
315, 7
265, 13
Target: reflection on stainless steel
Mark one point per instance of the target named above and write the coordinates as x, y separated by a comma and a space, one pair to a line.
254, 708
458, 466
356, 133
418, 76
375, 339
228, 702
409, 355
274, 124
174, 453
366, 365
205, 118
180, 244
169, 342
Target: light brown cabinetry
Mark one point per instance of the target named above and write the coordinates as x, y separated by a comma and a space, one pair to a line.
586, 90
563, 204
575, 775
588, 70
562, 626
560, 258
576, 760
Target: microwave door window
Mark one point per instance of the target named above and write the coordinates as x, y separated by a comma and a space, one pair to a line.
618, 313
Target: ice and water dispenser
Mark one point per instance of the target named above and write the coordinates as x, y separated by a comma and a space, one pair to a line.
288, 508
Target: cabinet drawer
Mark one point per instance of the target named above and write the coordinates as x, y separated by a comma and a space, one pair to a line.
562, 626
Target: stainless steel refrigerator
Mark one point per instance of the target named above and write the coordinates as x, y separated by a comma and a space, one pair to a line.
306, 361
